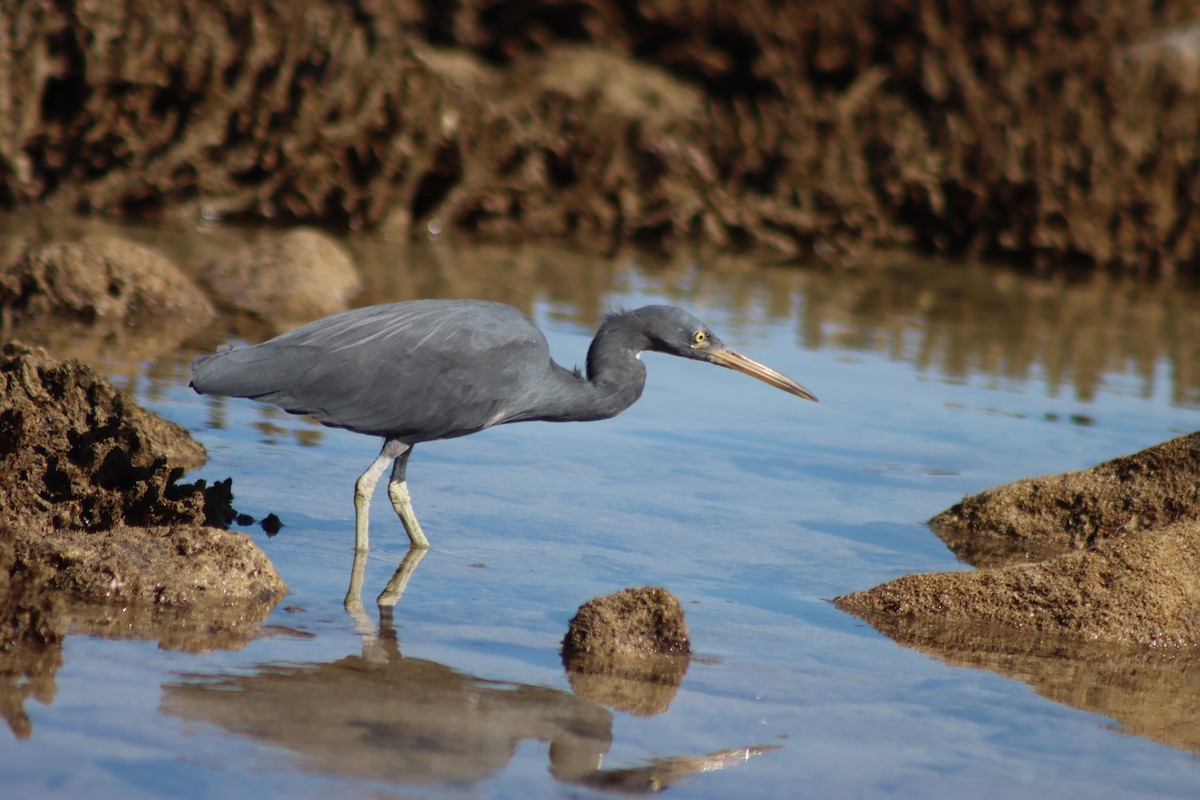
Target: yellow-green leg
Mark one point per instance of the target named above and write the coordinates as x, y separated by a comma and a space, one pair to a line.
364, 489
402, 502
396, 453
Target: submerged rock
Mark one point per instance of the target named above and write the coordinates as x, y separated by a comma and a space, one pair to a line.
96, 279
100, 299
28, 613
287, 278
1150, 692
1120, 545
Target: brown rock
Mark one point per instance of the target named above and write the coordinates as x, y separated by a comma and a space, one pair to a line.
99, 278
72, 446
287, 279
1139, 589
88, 485
1035, 518
96, 533
646, 620
1050, 131
628, 650
1121, 550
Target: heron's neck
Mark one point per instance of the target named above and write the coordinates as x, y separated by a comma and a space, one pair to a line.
614, 367
614, 380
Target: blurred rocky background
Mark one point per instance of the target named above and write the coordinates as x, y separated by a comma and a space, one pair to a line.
1050, 132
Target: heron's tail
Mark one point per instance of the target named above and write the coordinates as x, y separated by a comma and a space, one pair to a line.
246, 371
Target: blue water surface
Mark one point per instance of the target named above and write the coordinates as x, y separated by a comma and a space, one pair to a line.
755, 508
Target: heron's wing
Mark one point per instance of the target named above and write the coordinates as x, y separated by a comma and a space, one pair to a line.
421, 370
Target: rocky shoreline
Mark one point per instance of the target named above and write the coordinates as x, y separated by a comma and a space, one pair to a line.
1044, 132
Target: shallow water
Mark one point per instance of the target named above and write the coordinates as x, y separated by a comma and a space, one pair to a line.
752, 506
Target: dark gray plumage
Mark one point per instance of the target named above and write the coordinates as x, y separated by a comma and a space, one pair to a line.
436, 369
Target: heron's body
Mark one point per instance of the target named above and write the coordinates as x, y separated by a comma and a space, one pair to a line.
436, 369
479, 364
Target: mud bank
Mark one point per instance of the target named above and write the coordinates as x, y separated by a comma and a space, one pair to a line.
91, 507
1044, 131
1108, 554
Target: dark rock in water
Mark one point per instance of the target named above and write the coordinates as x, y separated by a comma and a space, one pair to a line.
271, 524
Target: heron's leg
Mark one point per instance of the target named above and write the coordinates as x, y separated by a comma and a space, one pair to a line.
402, 502
364, 489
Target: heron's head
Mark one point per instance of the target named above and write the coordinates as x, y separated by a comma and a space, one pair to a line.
673, 330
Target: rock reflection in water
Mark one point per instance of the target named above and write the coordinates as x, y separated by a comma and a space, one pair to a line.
198, 628
381, 716
953, 319
642, 684
28, 669
27, 672
1150, 692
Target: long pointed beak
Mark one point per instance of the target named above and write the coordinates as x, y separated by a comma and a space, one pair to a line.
728, 357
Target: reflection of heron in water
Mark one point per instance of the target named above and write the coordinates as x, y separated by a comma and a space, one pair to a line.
437, 369
380, 716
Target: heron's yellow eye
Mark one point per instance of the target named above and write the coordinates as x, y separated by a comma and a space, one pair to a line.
699, 337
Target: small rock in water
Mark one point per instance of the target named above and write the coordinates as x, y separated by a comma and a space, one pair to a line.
646, 620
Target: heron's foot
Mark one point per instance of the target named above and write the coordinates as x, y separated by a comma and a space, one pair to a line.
416, 537
402, 503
